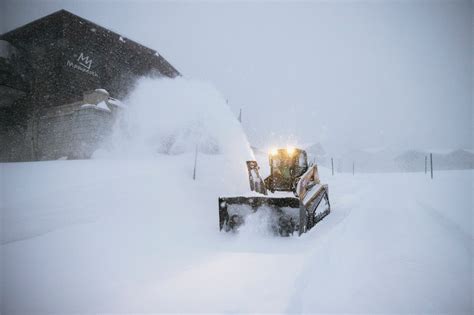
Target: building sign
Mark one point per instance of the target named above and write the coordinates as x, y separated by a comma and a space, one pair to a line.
82, 63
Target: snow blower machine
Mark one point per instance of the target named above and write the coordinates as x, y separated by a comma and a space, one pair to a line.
292, 195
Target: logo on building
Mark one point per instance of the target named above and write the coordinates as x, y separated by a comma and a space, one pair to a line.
84, 61
84, 64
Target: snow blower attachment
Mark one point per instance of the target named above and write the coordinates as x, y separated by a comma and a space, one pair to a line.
304, 204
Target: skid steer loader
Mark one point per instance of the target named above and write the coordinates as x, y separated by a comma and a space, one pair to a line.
292, 195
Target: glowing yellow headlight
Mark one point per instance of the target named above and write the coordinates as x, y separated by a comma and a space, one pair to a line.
273, 151
290, 150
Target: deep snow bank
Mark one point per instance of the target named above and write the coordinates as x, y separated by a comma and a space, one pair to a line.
173, 116
139, 235
162, 122
142, 236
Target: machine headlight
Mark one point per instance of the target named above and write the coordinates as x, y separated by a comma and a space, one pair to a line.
290, 150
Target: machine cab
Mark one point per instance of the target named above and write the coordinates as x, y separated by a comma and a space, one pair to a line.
286, 166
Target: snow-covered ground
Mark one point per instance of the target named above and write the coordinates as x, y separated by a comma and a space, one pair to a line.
142, 236
130, 231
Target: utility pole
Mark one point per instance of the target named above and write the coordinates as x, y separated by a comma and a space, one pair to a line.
353, 168
195, 162
431, 163
240, 115
426, 164
332, 166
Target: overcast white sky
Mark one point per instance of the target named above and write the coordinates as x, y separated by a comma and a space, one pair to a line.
349, 74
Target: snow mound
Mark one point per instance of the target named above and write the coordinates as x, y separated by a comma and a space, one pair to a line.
173, 116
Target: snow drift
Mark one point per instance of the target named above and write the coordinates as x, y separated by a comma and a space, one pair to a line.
173, 116
137, 234
110, 236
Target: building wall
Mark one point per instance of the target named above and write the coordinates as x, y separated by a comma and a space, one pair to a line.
54, 47
62, 56
38, 46
74, 133
116, 69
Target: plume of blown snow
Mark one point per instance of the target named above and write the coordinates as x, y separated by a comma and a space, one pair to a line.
173, 116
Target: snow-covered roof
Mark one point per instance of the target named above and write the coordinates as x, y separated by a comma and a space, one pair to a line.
115, 102
104, 106
102, 91
101, 106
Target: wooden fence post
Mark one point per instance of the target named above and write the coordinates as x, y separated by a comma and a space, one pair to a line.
195, 162
426, 164
431, 163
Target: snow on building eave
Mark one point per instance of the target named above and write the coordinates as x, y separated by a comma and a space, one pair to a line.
115, 102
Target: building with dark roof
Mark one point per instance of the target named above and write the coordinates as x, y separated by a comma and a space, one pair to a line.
52, 67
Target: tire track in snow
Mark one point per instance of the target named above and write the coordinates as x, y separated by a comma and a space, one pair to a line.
453, 228
324, 245
323, 230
